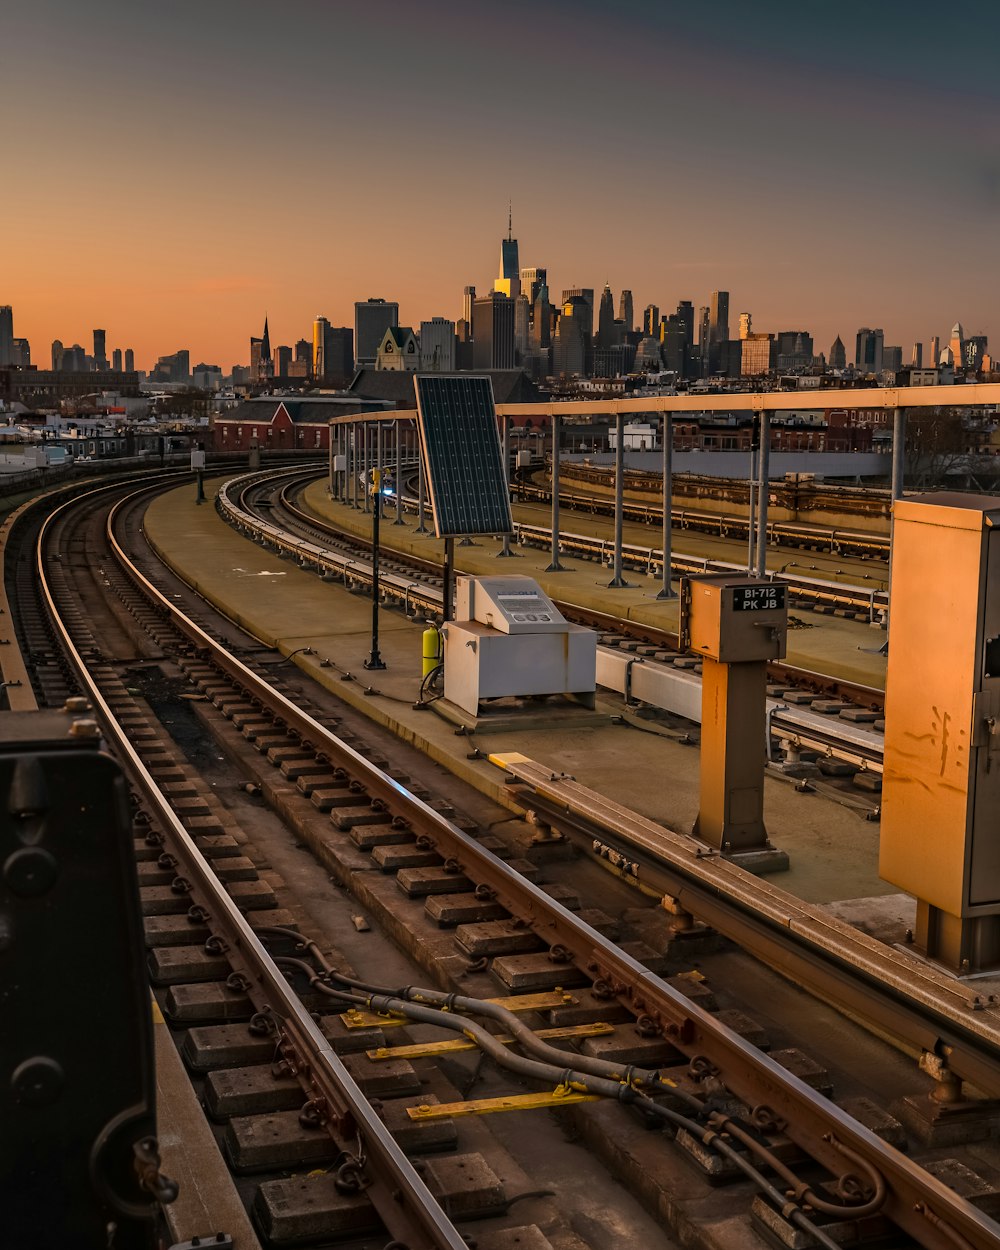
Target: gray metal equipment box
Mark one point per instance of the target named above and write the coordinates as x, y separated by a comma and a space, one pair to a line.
733, 619
514, 641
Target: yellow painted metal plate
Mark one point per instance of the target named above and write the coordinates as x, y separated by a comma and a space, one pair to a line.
423, 1050
489, 1106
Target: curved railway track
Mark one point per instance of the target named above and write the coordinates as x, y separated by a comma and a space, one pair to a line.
416, 584
816, 1169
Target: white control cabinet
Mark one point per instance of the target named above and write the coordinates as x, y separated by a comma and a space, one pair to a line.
514, 641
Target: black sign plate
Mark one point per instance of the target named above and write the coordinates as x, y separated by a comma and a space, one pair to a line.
758, 598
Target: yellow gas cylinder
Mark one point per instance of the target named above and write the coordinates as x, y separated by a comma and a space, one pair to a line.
432, 648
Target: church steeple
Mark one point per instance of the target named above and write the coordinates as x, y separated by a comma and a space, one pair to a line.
265, 343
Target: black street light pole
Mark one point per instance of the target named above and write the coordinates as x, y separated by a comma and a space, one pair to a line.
375, 660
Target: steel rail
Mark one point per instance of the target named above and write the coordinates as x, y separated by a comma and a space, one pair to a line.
867, 696
722, 525
789, 721
402, 1199
918, 1203
908, 999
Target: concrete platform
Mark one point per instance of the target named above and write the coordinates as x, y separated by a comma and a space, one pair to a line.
833, 850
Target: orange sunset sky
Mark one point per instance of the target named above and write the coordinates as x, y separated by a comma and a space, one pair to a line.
176, 171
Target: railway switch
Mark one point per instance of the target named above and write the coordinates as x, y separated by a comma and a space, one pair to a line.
941, 782
736, 625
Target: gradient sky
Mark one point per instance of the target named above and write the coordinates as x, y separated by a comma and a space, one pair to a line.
174, 170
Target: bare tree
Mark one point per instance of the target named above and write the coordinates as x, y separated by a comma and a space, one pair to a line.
938, 442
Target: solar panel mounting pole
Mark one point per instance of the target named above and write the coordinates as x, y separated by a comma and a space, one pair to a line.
667, 435
449, 561
554, 566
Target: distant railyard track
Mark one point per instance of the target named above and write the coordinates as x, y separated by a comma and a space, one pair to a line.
337, 1090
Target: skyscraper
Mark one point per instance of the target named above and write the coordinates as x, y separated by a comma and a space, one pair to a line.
320, 326
116, 360
6, 336
868, 350
935, 353
531, 280
100, 350
493, 332
58, 351
332, 350
625, 311
372, 317
282, 361
651, 321
705, 340
468, 299
572, 345
675, 344
22, 353
606, 318
838, 354
746, 324
509, 280
522, 324
685, 310
957, 344
917, 356
129, 360
541, 320
719, 325
437, 345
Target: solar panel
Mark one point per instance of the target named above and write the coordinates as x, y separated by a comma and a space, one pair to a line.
463, 461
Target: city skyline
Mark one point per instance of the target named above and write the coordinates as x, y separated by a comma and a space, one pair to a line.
830, 179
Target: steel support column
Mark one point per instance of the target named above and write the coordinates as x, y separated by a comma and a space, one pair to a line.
399, 474
667, 437
505, 543
617, 580
366, 465
421, 527
763, 491
554, 566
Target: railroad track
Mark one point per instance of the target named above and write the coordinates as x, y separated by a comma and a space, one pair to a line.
641, 663
817, 1170
594, 487
801, 537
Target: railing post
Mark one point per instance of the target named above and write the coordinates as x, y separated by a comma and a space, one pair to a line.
421, 527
